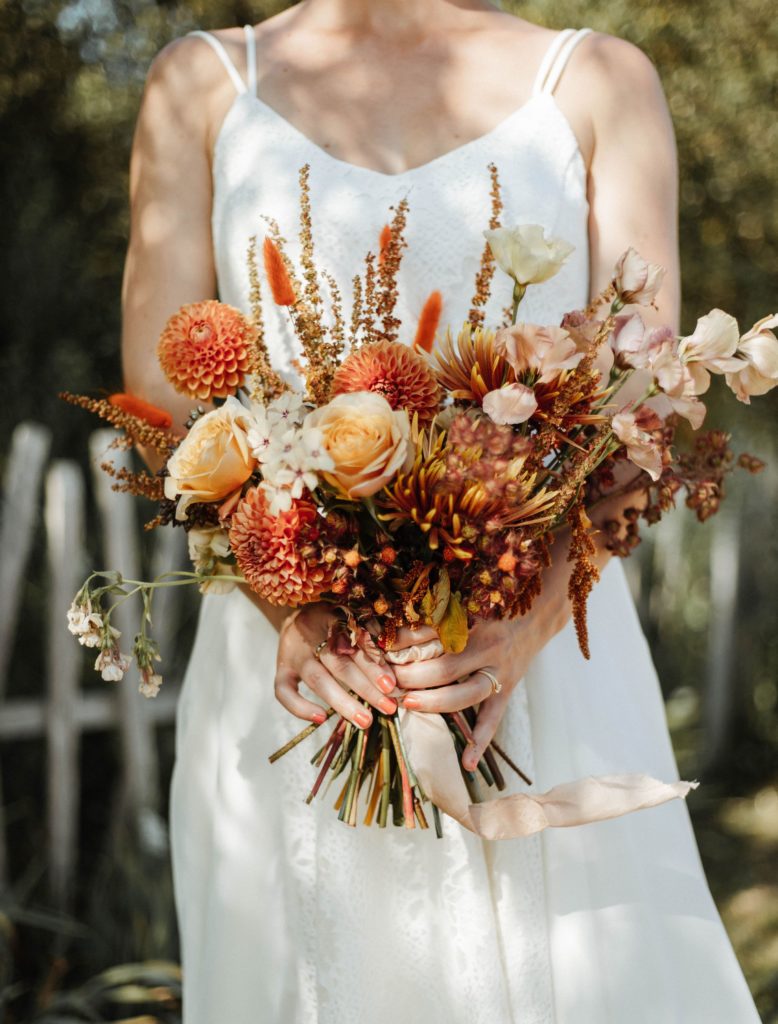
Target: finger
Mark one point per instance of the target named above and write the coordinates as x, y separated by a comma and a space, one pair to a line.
316, 676
489, 717
379, 673
449, 698
420, 675
410, 637
347, 671
287, 693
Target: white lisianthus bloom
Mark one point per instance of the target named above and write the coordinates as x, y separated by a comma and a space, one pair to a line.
207, 547
758, 370
525, 254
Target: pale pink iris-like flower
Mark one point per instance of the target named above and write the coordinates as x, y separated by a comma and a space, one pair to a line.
758, 372
710, 348
637, 281
511, 404
537, 349
642, 449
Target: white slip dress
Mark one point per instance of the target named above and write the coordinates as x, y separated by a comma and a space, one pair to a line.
286, 915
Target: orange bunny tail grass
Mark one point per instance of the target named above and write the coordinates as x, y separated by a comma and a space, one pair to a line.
277, 274
138, 430
585, 573
483, 279
428, 322
143, 410
383, 242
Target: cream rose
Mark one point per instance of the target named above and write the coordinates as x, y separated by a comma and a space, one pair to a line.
213, 460
366, 439
526, 254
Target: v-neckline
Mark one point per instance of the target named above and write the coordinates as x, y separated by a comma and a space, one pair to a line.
389, 175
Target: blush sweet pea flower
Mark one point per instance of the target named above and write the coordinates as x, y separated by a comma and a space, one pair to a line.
525, 254
511, 404
636, 280
642, 449
710, 348
758, 370
535, 349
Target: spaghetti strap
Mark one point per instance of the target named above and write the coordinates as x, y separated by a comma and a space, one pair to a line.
549, 57
251, 58
223, 56
561, 58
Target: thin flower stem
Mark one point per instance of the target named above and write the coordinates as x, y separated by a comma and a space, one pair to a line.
408, 815
298, 738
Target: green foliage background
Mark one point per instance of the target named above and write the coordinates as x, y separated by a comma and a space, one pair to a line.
71, 75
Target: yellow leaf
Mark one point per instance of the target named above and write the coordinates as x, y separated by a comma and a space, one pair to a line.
441, 594
453, 627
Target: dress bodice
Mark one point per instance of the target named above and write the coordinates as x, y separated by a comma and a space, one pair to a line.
258, 155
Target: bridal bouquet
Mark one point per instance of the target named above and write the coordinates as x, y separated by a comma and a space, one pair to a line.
417, 476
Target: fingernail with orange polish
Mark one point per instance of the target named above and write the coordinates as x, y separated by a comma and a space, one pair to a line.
411, 702
363, 719
319, 717
387, 706
385, 683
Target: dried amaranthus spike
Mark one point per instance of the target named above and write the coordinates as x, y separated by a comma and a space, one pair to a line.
585, 573
137, 429
483, 279
265, 384
357, 311
383, 242
312, 294
428, 322
370, 332
388, 270
142, 484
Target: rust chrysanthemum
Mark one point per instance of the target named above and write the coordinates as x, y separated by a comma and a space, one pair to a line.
394, 371
206, 349
469, 366
268, 550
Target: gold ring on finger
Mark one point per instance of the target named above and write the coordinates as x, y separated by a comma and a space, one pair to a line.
319, 648
496, 684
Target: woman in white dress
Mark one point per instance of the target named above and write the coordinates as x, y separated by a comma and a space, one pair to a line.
286, 915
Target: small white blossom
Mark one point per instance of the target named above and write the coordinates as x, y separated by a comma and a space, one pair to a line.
112, 664
150, 683
85, 624
279, 499
287, 409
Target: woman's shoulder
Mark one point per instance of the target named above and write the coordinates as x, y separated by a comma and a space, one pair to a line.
614, 69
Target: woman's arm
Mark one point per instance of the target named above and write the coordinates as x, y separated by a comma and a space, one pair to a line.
633, 196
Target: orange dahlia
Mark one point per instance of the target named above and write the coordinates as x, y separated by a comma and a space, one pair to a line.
268, 550
394, 371
206, 349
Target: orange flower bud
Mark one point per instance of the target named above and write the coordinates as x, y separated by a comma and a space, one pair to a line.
388, 555
352, 558
506, 562
380, 606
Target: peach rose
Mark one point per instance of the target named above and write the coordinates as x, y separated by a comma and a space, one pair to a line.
213, 460
365, 438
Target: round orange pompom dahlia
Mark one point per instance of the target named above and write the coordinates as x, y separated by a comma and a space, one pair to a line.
205, 349
267, 549
395, 371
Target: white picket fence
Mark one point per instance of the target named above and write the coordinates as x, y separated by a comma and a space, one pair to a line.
58, 708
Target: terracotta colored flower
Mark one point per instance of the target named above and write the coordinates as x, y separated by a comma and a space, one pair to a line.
268, 550
135, 406
395, 372
206, 349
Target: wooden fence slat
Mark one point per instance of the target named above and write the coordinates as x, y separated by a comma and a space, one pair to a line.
64, 518
169, 553
30, 445
121, 551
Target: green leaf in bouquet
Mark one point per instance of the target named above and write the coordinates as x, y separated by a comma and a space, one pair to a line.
441, 595
453, 626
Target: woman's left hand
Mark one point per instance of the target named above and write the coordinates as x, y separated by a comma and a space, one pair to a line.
452, 682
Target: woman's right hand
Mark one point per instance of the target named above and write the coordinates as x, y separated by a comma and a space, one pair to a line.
330, 676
